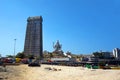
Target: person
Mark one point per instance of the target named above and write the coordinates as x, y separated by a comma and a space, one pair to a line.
92, 66
1, 62
106, 64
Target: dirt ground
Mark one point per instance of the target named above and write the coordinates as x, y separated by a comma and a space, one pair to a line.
50, 72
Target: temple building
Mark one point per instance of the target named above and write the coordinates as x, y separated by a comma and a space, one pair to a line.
33, 40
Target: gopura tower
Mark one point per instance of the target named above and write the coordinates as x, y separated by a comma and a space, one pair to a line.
33, 40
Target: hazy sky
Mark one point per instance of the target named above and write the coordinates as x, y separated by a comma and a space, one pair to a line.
81, 26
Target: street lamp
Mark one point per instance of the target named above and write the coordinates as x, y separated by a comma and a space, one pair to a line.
14, 46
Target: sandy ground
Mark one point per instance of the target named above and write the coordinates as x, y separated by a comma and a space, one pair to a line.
23, 72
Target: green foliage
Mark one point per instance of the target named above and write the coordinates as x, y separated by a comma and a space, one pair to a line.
77, 55
10, 56
31, 56
51, 55
98, 55
46, 54
102, 63
20, 55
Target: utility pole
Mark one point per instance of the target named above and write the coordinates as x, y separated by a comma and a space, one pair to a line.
14, 46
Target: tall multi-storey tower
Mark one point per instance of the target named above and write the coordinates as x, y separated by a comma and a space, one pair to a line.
33, 40
116, 53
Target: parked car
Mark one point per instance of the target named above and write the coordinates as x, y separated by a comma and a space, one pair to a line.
7, 60
24, 61
35, 63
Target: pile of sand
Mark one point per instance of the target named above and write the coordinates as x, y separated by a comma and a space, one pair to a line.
47, 72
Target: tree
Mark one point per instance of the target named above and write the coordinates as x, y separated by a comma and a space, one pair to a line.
45, 54
20, 55
31, 56
51, 55
10, 56
98, 55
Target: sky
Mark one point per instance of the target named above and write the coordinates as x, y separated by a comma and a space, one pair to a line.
81, 26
